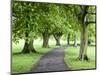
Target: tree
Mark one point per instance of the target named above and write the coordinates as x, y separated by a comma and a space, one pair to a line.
84, 32
23, 24
57, 37
51, 21
60, 23
44, 22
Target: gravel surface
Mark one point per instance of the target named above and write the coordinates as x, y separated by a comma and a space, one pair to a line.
52, 61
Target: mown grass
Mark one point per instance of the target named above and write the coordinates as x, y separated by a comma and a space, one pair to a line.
71, 58
22, 63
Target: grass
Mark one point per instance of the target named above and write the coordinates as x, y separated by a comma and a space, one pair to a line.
71, 55
22, 63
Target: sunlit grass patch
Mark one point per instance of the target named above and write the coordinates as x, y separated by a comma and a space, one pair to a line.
71, 55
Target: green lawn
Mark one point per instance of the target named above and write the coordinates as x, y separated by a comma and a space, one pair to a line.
22, 63
71, 60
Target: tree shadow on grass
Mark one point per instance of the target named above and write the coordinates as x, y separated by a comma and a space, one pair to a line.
17, 53
78, 60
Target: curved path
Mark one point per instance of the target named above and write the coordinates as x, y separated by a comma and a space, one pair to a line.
52, 61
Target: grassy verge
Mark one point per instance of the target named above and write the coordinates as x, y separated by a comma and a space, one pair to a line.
71, 60
22, 63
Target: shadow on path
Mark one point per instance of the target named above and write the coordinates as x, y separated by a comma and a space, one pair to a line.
52, 61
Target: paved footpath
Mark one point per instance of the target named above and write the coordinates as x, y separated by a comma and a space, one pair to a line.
52, 61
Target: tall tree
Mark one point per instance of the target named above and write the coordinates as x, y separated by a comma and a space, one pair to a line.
82, 17
44, 22
23, 24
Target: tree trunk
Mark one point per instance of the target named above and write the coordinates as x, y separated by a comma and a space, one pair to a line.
57, 38
58, 42
45, 40
84, 43
84, 33
28, 46
75, 40
68, 39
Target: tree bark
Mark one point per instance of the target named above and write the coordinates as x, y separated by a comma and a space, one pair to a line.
68, 39
57, 38
28, 46
84, 43
84, 34
75, 40
58, 42
45, 40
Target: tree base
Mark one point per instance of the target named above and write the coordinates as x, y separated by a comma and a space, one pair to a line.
83, 59
28, 47
45, 46
28, 51
57, 44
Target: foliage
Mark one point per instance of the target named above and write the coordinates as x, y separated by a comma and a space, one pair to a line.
92, 32
22, 21
37, 18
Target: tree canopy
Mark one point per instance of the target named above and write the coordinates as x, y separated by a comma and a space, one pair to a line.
32, 20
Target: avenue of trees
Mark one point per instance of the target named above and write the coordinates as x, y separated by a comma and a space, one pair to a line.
33, 20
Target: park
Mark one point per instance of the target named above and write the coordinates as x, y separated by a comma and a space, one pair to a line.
52, 37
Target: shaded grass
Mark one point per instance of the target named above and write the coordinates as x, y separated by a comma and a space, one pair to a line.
71, 55
22, 63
